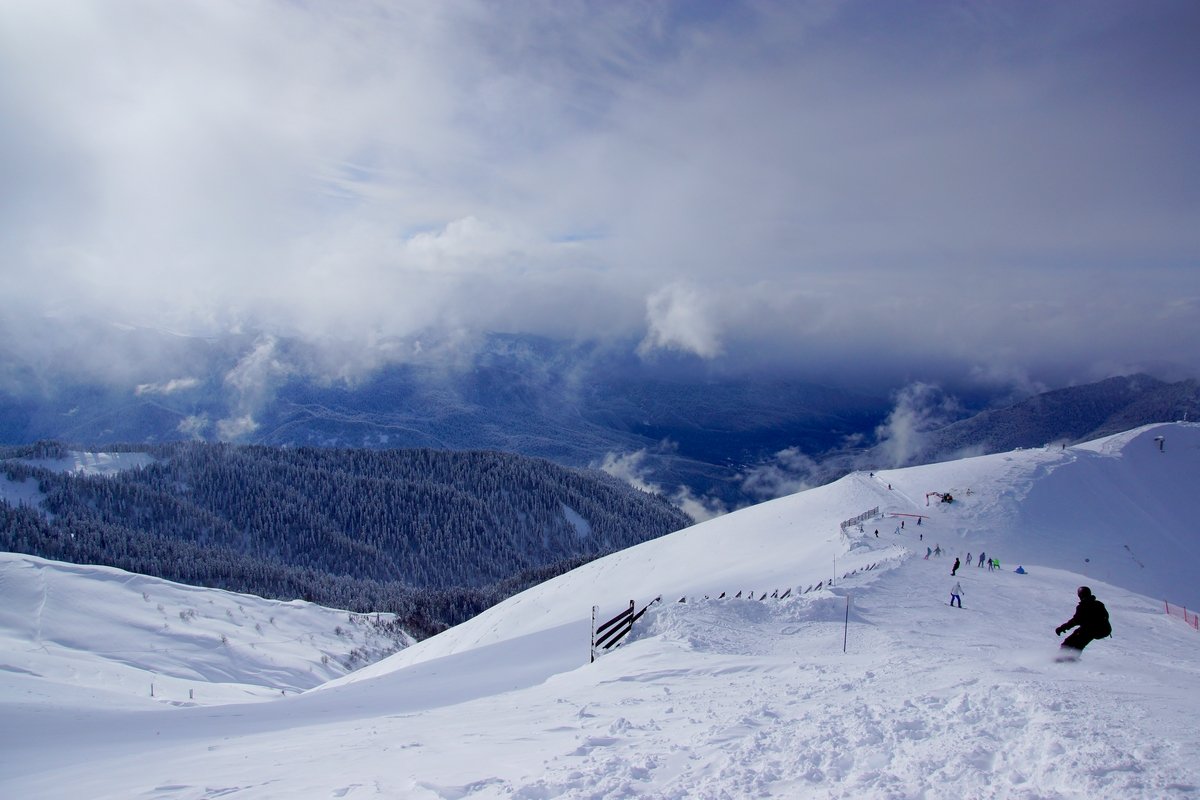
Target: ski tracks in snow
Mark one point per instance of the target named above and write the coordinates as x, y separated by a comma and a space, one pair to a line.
886, 720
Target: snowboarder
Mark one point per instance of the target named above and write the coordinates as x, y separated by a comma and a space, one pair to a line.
981, 555
1091, 619
956, 595
954, 569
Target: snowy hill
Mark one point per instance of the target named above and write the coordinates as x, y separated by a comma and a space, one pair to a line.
874, 688
75, 633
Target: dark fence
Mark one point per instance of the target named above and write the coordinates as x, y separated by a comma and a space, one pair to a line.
610, 634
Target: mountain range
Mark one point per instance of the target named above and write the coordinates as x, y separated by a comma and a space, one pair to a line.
721, 439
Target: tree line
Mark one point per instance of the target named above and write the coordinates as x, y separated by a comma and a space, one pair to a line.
434, 536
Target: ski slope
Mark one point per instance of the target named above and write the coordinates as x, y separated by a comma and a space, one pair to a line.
872, 688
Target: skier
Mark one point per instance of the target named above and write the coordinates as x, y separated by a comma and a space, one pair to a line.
954, 569
937, 551
981, 555
956, 595
1091, 618
928, 552
968, 559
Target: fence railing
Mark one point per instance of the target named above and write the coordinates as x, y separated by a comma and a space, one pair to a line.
610, 633
863, 517
1181, 611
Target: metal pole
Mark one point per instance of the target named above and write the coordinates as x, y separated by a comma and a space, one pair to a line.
846, 630
593, 652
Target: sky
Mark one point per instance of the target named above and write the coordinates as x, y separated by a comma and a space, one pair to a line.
1011, 188
873, 687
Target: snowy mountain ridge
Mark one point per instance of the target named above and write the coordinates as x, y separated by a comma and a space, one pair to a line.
874, 688
98, 631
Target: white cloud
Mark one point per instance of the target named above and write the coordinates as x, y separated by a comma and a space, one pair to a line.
680, 317
810, 181
195, 426
631, 468
920, 408
788, 472
253, 381
167, 387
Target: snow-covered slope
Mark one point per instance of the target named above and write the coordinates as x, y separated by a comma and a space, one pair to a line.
875, 688
71, 634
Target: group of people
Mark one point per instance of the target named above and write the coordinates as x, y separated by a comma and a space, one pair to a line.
992, 563
1090, 620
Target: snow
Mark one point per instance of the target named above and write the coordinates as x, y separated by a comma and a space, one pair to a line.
108, 636
874, 688
86, 463
26, 493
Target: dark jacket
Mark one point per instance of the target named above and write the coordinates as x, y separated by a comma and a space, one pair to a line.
1091, 616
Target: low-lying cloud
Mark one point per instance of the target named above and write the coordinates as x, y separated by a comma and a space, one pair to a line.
632, 469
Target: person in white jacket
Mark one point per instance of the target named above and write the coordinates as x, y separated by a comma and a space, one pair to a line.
956, 594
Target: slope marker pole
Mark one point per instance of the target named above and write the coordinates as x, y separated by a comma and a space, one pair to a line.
846, 630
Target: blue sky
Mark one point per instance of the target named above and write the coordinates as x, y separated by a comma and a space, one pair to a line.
1011, 188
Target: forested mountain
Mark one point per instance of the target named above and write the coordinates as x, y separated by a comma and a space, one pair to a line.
433, 535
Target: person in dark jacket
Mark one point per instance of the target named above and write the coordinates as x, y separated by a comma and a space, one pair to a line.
1091, 619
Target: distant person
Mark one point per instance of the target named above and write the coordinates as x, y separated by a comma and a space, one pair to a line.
877, 533
956, 595
901, 524
937, 551
981, 555
968, 559
918, 520
928, 552
954, 569
1091, 619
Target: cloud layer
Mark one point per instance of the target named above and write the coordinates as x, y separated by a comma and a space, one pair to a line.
1006, 188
